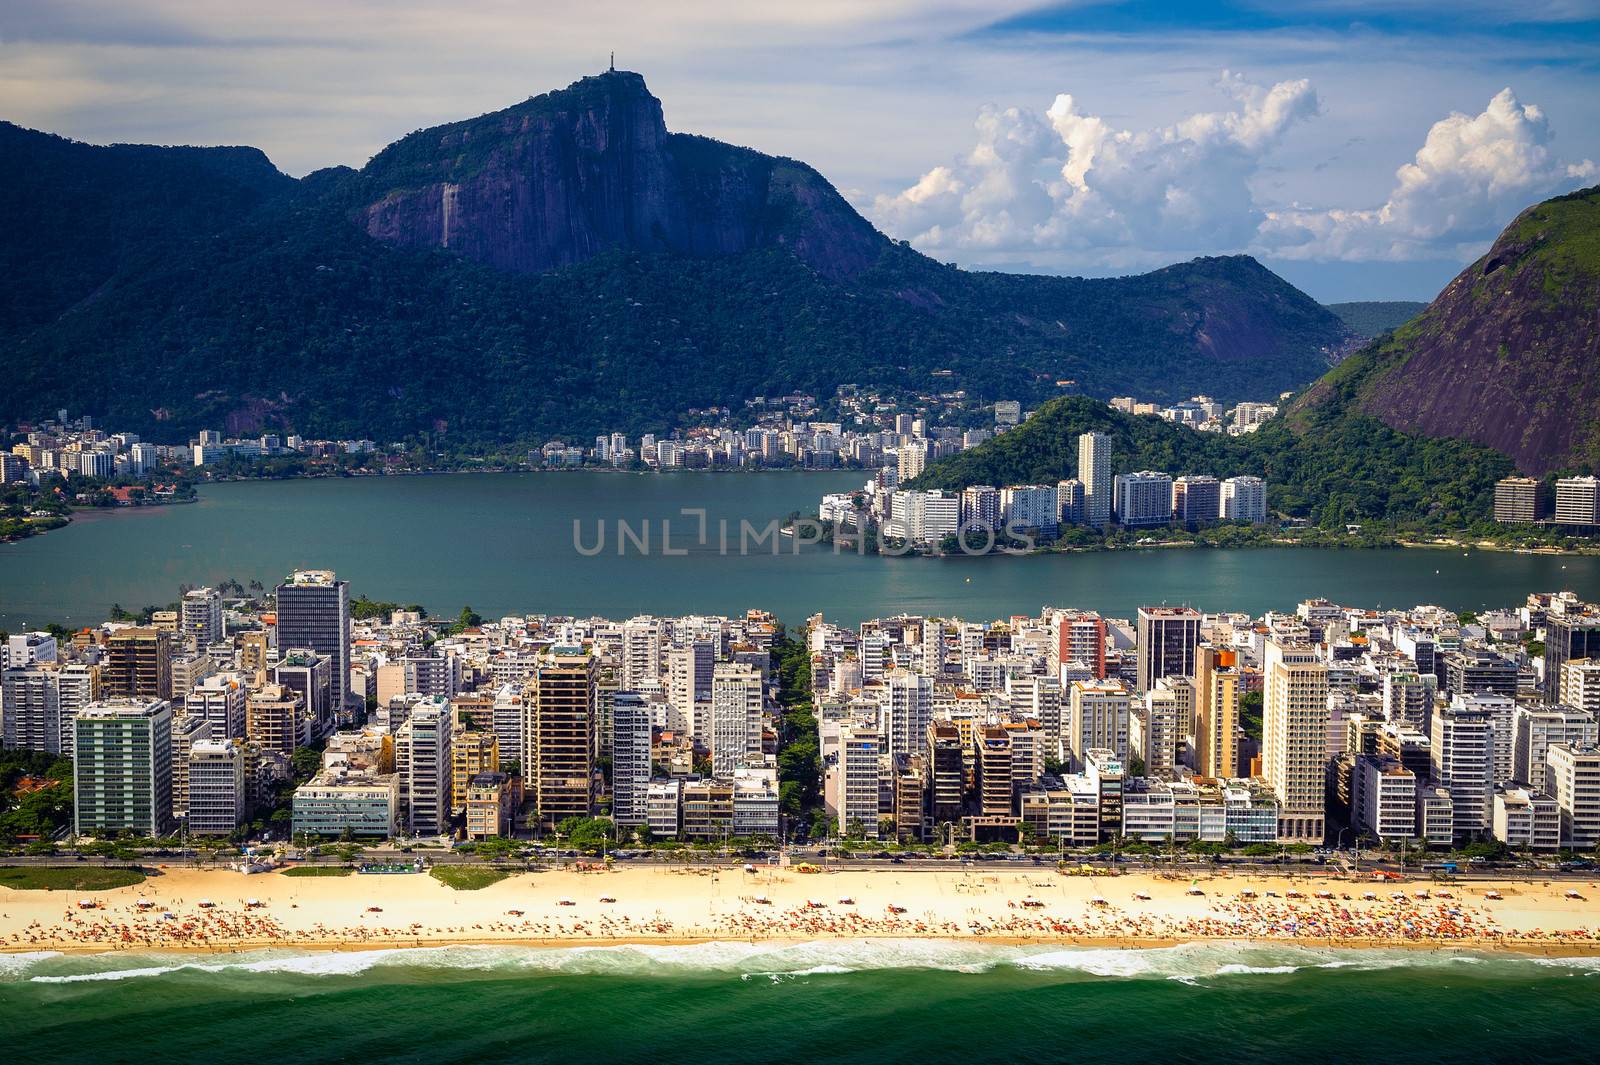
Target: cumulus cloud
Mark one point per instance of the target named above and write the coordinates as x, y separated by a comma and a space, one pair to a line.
1470, 176
1070, 180
1067, 186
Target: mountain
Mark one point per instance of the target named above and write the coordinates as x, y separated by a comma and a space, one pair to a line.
1508, 355
1373, 318
559, 268
565, 176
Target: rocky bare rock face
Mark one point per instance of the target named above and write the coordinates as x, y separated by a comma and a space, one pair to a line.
571, 174
1508, 355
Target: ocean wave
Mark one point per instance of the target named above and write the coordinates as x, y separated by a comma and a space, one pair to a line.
1188, 963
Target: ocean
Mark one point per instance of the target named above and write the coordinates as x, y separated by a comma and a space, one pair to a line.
864, 1001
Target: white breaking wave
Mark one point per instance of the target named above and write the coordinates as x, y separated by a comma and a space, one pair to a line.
14, 965
824, 958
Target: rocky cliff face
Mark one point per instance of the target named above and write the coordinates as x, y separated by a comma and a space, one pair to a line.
565, 176
1508, 355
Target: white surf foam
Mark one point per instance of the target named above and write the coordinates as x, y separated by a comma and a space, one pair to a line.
820, 959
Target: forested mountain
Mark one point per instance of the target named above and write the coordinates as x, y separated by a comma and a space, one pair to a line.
562, 267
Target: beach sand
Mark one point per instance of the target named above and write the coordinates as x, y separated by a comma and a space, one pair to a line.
678, 905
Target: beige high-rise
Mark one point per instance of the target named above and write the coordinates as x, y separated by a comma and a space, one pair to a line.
1294, 748
559, 735
1216, 705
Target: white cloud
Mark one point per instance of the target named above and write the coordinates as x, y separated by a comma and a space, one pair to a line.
1068, 180
1068, 187
1470, 176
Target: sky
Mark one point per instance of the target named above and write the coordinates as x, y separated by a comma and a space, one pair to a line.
1362, 149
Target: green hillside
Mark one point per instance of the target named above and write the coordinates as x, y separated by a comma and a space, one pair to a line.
1331, 467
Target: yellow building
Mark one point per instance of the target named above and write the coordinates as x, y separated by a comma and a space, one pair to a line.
471, 753
1216, 724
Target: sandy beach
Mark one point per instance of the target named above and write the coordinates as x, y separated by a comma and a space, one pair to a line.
221, 910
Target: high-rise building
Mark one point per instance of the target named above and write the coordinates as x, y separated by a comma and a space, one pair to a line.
220, 699
1070, 501
907, 710
275, 719
558, 738
186, 732
1383, 798
1473, 670
641, 652
1294, 748
630, 759
1081, 638
122, 773
1572, 777
1577, 501
1461, 755
1094, 470
1143, 498
689, 670
1159, 730
216, 787
1516, 500
980, 507
1579, 685
1407, 699
735, 716
855, 791
1097, 716
1244, 498
422, 758
946, 774
1567, 637
471, 753
138, 665
314, 612
1167, 639
1030, 506
1538, 728
1196, 498
309, 674
200, 617
39, 700
996, 783
1216, 712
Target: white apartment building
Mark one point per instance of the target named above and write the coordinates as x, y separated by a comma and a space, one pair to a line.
735, 716
1244, 498
423, 761
1573, 780
1461, 751
1143, 498
1097, 716
216, 787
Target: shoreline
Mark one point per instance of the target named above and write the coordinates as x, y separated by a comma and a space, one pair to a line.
1487, 946
225, 912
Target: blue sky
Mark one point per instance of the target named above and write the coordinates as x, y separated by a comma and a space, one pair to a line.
1364, 150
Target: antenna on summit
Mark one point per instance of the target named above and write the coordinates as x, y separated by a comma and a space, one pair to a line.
613, 69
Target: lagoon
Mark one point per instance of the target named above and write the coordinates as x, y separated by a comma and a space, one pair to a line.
504, 543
